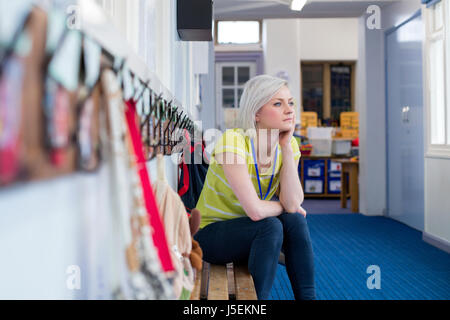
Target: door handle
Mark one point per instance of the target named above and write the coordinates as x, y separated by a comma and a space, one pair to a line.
405, 114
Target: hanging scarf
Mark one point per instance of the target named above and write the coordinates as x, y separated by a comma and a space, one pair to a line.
159, 236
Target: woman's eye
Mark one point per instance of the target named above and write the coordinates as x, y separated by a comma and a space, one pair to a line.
279, 104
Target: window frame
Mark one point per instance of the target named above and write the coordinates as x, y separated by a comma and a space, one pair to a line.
235, 86
326, 65
220, 111
257, 45
431, 36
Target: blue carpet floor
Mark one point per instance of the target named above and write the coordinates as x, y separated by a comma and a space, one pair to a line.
346, 244
313, 206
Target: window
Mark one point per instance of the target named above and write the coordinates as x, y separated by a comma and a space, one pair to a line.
437, 53
230, 80
437, 95
340, 80
233, 77
312, 91
328, 90
238, 32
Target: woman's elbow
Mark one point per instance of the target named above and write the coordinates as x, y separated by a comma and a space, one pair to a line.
255, 216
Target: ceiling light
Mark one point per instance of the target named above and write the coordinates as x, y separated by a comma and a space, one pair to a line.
297, 5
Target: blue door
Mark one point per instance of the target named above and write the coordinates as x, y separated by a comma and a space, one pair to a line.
404, 116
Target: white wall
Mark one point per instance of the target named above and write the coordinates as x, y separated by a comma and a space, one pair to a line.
47, 226
329, 39
437, 201
281, 47
208, 112
372, 127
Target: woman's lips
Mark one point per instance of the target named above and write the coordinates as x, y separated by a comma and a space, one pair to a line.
290, 119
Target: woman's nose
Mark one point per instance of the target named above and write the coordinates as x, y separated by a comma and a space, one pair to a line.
289, 109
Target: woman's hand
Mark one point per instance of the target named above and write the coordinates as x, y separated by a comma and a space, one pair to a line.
285, 136
301, 211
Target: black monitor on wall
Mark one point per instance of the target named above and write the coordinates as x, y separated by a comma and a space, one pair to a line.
194, 20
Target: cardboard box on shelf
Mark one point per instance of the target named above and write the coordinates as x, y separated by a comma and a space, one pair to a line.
349, 124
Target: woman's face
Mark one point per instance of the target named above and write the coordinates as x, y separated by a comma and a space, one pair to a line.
278, 113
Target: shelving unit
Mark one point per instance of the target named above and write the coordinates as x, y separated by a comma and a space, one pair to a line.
313, 164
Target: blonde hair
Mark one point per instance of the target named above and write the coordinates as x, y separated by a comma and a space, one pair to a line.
257, 92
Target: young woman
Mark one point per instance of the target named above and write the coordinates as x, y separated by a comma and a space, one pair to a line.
251, 200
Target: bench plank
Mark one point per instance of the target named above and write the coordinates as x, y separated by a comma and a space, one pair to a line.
204, 281
231, 284
245, 288
223, 282
218, 283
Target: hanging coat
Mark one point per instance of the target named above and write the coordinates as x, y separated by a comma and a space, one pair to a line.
193, 167
178, 233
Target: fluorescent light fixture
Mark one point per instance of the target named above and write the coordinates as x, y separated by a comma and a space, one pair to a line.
297, 5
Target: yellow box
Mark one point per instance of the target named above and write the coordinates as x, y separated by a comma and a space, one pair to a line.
349, 133
349, 120
308, 119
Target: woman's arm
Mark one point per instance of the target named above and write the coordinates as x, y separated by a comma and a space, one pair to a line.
240, 182
291, 191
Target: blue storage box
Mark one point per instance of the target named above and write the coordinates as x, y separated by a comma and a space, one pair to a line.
314, 169
334, 169
313, 186
334, 186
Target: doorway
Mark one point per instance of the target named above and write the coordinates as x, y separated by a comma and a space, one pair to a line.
404, 123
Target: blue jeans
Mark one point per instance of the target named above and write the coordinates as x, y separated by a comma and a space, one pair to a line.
258, 244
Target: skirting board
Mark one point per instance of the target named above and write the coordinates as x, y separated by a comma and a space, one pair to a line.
436, 242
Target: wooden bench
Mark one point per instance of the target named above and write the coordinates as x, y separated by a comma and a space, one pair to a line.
224, 282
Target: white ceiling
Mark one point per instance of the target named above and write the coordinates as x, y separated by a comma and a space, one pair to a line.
266, 9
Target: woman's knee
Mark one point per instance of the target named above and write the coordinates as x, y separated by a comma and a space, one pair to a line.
295, 222
271, 227
295, 219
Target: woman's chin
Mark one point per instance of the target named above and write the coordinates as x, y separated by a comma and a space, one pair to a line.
274, 127
284, 126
